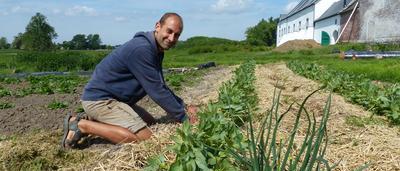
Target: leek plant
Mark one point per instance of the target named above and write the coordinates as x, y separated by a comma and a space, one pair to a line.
265, 153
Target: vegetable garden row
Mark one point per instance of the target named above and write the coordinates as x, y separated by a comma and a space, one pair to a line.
380, 98
227, 139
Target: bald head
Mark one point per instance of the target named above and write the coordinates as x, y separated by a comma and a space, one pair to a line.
171, 14
168, 30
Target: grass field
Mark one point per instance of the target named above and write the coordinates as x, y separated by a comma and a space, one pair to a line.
223, 52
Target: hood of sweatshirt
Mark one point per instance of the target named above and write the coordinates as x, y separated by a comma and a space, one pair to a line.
149, 36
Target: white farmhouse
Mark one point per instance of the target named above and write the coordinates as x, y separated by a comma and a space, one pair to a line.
311, 19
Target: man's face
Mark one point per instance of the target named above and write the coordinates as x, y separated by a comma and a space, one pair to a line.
167, 35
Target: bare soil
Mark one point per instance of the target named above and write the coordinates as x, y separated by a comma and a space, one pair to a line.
31, 113
297, 45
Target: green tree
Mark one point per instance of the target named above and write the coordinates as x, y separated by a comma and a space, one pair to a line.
264, 33
17, 43
39, 34
66, 45
78, 42
3, 43
93, 41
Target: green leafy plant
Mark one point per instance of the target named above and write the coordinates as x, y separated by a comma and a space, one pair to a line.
205, 146
5, 105
5, 92
380, 99
57, 105
10, 80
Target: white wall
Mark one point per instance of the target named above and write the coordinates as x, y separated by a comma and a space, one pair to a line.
380, 21
302, 34
328, 25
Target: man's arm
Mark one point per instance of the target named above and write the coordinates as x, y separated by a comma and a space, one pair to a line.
145, 69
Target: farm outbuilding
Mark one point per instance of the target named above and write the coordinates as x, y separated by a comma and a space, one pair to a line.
331, 21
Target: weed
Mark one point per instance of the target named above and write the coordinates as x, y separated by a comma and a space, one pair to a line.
57, 105
6, 105
359, 121
5, 92
79, 109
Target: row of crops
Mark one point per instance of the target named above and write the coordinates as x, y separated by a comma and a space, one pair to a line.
379, 97
39, 85
218, 141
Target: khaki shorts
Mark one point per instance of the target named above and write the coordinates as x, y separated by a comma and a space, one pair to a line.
114, 112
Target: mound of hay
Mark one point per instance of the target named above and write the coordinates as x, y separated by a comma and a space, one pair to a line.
297, 45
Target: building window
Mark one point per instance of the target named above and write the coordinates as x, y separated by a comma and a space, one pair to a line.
299, 25
294, 27
335, 21
307, 22
289, 29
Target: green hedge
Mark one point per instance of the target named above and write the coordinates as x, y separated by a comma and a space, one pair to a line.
61, 61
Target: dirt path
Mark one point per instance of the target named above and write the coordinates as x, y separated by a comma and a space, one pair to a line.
376, 144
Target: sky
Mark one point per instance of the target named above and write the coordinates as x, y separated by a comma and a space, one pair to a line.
117, 21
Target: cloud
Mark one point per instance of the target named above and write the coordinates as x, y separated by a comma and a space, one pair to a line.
16, 9
120, 19
81, 10
56, 11
230, 6
290, 6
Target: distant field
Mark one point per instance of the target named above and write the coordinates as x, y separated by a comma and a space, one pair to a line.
223, 52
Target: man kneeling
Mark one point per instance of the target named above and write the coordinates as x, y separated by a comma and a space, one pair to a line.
120, 80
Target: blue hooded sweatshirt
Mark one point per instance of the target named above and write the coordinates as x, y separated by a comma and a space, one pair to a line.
130, 72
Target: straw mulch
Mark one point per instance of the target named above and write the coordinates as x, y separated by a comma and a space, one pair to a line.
349, 145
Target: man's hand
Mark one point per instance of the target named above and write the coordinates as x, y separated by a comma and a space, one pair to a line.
192, 113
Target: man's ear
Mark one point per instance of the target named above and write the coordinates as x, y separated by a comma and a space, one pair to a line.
158, 26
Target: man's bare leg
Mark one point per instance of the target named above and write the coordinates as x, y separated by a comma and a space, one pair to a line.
113, 133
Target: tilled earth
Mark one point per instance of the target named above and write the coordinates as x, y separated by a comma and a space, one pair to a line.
31, 113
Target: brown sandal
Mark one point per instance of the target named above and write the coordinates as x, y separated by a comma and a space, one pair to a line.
71, 126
